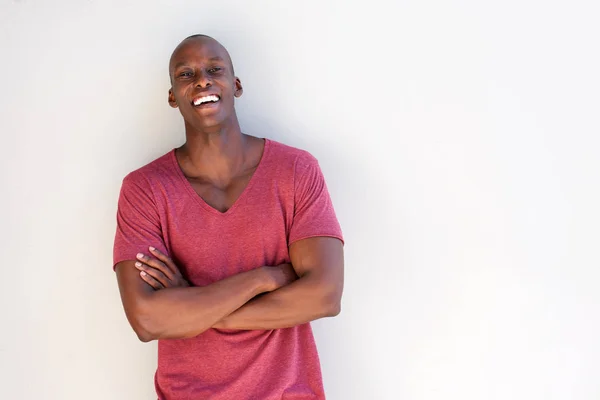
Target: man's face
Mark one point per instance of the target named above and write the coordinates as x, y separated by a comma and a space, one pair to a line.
203, 84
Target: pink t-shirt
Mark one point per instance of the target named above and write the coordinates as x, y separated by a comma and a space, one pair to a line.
286, 200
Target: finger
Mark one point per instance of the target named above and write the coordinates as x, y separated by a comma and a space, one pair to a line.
165, 259
153, 272
157, 264
156, 285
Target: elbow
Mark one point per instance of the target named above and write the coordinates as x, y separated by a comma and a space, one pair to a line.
144, 332
333, 308
143, 325
150, 325
337, 309
332, 303
326, 296
144, 336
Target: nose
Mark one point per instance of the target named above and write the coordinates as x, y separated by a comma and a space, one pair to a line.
203, 80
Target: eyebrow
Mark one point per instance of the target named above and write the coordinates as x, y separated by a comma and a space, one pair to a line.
183, 63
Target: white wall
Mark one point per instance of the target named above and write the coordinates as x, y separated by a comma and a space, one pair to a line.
460, 141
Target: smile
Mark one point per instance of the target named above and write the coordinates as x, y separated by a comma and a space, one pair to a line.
199, 101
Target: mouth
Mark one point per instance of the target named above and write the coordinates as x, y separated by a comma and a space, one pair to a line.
205, 100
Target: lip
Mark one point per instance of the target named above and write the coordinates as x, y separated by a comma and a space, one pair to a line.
205, 105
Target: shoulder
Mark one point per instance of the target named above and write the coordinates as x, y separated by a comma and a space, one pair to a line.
291, 157
151, 173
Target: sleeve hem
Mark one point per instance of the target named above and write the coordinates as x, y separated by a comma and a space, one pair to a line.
119, 260
331, 235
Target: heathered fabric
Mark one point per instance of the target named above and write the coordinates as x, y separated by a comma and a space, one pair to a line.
286, 200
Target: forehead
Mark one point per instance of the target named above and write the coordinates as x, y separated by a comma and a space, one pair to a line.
198, 50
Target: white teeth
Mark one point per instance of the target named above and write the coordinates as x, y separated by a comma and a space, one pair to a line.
206, 99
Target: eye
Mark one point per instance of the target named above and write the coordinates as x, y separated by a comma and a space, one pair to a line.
215, 70
185, 74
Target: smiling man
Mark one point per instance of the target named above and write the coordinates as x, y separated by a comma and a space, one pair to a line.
226, 248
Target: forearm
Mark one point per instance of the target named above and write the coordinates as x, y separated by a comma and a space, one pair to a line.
304, 300
186, 312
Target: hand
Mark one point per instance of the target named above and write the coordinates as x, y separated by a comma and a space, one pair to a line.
280, 275
160, 272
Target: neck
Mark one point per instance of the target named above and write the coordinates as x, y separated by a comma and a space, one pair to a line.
213, 152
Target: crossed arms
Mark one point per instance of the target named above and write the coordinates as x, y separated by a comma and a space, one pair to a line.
291, 294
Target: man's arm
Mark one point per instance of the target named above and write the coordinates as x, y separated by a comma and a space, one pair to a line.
185, 312
319, 263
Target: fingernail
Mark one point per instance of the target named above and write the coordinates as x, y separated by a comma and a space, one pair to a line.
138, 264
151, 248
143, 273
140, 255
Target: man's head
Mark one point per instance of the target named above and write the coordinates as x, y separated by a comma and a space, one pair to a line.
203, 84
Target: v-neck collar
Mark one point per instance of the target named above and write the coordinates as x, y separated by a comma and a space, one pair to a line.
255, 176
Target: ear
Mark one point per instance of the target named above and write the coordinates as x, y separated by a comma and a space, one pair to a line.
172, 101
238, 87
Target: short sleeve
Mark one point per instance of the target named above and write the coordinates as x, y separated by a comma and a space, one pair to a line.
138, 222
313, 210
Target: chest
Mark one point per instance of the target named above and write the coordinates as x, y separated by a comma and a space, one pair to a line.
223, 196
250, 230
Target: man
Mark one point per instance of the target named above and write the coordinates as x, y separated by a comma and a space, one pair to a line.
226, 248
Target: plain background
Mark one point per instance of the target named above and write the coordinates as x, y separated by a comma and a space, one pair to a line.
459, 140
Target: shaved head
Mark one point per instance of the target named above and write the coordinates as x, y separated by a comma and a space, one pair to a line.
197, 40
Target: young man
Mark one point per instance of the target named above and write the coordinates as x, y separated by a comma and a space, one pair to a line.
226, 248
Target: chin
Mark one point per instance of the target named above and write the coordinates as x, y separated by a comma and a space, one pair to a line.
205, 123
